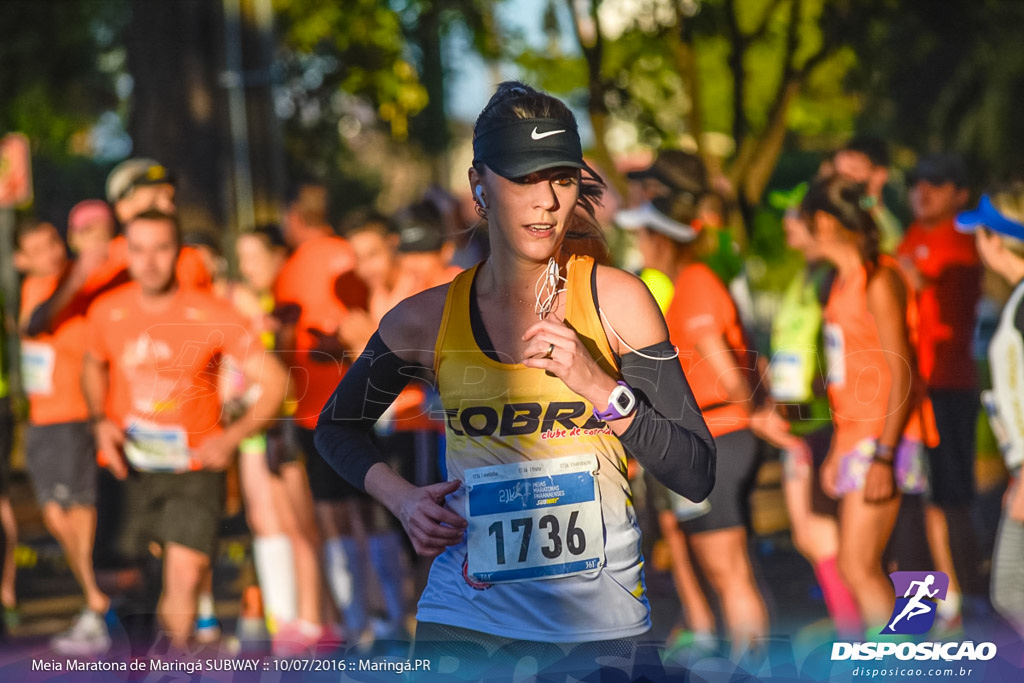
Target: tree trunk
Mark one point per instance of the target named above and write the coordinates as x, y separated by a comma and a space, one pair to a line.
266, 142
430, 126
178, 114
769, 147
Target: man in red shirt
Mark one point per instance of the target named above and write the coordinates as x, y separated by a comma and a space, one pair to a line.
150, 383
944, 268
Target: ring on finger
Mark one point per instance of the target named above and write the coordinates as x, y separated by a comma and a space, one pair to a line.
551, 349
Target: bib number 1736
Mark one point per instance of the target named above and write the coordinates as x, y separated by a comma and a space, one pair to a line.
575, 541
534, 520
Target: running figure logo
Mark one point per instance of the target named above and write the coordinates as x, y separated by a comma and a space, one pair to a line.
914, 612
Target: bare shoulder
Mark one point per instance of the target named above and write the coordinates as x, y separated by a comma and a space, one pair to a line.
630, 309
886, 287
410, 328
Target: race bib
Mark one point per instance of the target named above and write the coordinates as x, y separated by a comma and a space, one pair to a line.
835, 352
157, 448
37, 361
534, 520
790, 376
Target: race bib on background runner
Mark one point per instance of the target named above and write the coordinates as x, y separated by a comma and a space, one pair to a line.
534, 520
37, 362
791, 373
835, 352
157, 448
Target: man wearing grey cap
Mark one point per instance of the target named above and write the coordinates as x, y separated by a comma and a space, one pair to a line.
137, 185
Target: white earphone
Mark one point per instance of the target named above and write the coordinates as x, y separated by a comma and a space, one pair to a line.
479, 189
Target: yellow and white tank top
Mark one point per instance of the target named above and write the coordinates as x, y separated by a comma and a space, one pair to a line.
552, 552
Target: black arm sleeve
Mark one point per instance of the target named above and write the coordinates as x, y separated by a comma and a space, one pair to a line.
668, 436
343, 432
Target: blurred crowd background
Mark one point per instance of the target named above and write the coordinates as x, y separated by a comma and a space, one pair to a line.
352, 112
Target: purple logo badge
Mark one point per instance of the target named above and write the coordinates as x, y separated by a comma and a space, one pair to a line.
917, 594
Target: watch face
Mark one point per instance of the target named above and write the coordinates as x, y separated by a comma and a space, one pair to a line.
623, 401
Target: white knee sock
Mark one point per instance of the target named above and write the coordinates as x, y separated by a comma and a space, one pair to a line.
205, 606
275, 569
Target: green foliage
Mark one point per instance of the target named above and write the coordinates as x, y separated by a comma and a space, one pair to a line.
949, 80
52, 69
365, 54
646, 87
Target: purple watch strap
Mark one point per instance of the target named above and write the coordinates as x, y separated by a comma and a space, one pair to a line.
612, 411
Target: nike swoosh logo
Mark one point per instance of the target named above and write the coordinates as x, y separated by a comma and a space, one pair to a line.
540, 136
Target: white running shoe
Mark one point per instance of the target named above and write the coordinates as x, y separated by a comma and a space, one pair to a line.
87, 637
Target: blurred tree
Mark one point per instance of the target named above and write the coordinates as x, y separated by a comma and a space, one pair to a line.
54, 70
344, 78
748, 71
949, 80
427, 23
178, 111
355, 65
59, 68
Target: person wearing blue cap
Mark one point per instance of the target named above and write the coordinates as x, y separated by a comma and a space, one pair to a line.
998, 227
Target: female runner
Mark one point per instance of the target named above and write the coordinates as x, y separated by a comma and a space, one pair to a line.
534, 531
279, 508
879, 414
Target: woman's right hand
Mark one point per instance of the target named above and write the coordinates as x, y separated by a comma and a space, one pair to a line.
430, 525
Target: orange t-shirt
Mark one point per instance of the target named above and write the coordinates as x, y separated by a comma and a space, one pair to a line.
946, 306
700, 308
52, 363
164, 366
306, 286
190, 271
859, 379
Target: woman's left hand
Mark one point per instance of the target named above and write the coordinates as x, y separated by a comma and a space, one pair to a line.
568, 360
880, 483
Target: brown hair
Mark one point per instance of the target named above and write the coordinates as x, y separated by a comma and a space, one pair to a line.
157, 215
1009, 201
846, 201
28, 226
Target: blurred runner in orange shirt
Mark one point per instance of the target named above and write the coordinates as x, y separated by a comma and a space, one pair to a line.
314, 293
59, 450
704, 325
150, 381
278, 503
882, 418
946, 271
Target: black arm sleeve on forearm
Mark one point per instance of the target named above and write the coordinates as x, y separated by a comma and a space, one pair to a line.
668, 436
343, 432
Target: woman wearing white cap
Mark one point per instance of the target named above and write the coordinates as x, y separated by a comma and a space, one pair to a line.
544, 362
704, 324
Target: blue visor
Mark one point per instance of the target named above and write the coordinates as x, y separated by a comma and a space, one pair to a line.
987, 216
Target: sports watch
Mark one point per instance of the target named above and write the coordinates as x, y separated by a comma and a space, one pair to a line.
621, 403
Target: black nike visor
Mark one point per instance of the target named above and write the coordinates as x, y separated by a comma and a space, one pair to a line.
518, 148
